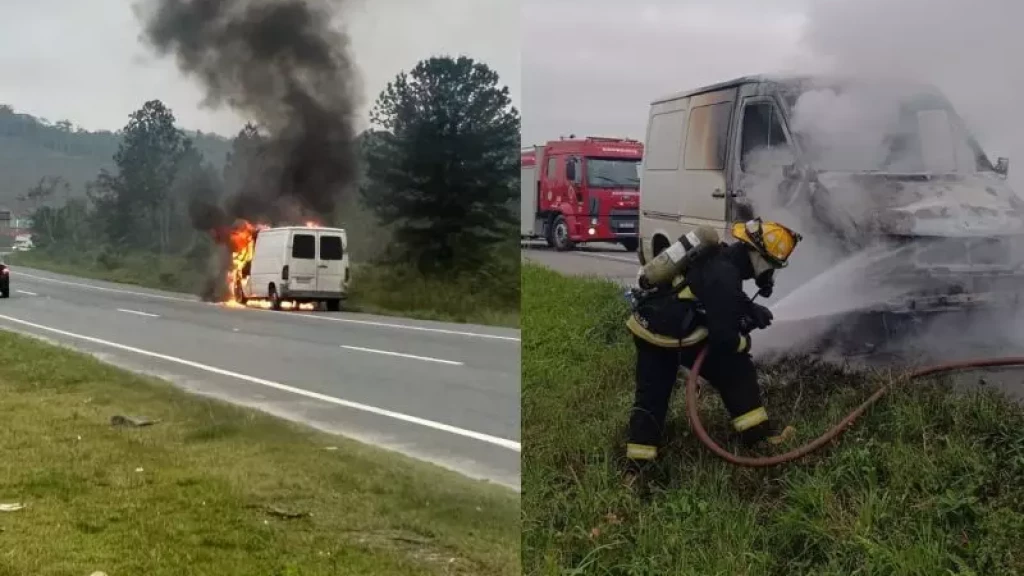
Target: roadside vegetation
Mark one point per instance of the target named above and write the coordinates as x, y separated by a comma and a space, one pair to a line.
931, 481
431, 221
215, 489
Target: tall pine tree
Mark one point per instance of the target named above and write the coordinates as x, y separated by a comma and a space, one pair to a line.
442, 163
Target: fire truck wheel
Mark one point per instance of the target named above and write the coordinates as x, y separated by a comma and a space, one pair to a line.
560, 234
631, 244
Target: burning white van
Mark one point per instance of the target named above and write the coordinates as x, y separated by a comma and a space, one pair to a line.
297, 263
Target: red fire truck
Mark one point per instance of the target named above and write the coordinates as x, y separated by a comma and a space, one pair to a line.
581, 190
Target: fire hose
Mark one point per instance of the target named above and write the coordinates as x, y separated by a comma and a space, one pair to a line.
767, 461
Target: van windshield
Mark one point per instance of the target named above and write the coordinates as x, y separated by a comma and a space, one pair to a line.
613, 173
881, 128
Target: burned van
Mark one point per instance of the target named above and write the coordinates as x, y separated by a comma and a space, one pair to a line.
853, 162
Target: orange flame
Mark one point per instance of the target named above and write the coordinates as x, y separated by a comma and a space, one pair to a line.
242, 242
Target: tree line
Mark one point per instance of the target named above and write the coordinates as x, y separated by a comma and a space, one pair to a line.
440, 174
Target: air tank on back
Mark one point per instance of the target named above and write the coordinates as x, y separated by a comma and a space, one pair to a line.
675, 259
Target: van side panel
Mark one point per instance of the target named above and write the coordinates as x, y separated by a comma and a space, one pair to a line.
267, 261
661, 169
702, 198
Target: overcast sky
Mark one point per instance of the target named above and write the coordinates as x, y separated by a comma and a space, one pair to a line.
82, 60
593, 66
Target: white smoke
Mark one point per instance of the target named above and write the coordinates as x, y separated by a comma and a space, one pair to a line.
965, 49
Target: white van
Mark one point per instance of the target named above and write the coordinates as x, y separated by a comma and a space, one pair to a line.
695, 166
299, 263
23, 243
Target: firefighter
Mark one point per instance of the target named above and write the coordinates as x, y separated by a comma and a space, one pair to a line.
707, 306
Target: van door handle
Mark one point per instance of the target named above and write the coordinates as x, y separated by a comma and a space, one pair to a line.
718, 193
322, 266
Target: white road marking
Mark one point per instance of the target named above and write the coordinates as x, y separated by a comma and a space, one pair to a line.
26, 293
105, 289
146, 314
402, 326
625, 259
316, 317
611, 257
414, 357
503, 442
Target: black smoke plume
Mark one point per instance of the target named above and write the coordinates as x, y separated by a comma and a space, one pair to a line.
283, 65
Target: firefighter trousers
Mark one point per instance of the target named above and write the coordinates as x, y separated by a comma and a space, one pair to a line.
733, 376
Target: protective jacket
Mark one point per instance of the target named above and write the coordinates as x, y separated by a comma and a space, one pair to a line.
706, 305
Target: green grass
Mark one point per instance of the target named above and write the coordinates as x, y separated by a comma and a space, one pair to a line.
489, 296
196, 493
929, 482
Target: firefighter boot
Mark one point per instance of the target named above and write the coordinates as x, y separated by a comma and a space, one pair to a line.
639, 463
769, 432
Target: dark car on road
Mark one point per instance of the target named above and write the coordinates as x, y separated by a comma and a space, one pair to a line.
5, 281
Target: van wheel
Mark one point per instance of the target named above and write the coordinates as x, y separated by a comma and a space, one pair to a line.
275, 299
333, 305
630, 244
559, 234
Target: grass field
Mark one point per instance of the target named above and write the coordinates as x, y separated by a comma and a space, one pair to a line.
483, 297
212, 489
929, 482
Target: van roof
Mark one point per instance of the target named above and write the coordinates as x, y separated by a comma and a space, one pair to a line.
790, 79
322, 228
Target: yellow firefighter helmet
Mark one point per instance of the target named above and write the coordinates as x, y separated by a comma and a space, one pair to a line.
772, 240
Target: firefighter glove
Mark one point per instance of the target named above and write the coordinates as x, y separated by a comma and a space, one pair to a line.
761, 316
765, 283
746, 324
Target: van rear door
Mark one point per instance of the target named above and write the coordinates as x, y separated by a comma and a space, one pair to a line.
302, 264
330, 267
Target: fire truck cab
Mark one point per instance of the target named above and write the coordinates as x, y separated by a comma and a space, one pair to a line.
299, 263
581, 190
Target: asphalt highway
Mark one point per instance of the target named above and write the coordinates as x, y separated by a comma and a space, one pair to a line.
600, 259
446, 393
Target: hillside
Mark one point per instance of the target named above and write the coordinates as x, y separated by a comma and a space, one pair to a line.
31, 148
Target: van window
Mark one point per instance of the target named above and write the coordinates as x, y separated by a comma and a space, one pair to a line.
330, 248
762, 130
304, 246
665, 140
707, 136
552, 172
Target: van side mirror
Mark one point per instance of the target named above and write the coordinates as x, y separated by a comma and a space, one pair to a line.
1002, 166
